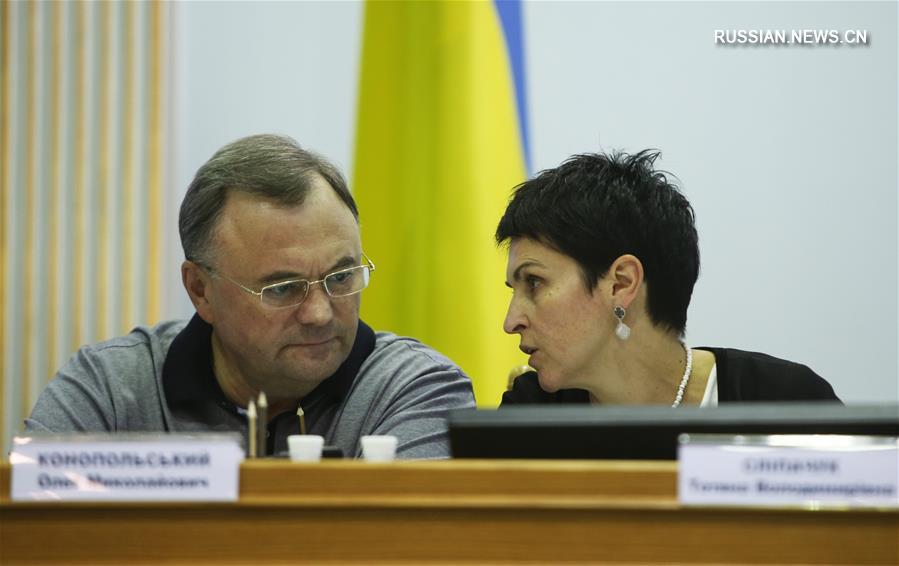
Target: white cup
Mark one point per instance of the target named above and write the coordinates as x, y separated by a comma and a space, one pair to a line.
381, 448
305, 447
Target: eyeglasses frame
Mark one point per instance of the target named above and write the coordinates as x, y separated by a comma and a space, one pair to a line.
309, 284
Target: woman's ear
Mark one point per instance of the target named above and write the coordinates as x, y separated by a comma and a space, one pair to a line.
196, 283
626, 276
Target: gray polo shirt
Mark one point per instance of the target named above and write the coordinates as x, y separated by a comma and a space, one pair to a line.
160, 379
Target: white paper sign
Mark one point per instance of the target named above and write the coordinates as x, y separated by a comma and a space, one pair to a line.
816, 471
132, 468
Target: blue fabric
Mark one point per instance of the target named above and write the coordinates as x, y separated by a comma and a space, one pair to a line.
510, 16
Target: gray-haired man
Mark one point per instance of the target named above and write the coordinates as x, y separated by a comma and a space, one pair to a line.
275, 269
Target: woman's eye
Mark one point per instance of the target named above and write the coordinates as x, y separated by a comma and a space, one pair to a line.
532, 282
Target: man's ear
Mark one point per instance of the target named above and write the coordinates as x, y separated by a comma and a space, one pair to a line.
626, 275
196, 283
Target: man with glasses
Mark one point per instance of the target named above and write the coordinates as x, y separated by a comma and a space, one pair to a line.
275, 270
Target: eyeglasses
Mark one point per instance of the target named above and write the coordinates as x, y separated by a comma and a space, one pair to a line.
287, 294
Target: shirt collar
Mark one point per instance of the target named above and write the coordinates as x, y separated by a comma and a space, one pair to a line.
187, 371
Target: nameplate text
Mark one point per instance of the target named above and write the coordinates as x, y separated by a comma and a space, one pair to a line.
809, 471
107, 468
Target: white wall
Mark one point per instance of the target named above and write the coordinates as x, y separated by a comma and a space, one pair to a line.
788, 154
244, 68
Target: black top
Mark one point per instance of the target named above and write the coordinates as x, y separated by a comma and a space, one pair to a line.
742, 377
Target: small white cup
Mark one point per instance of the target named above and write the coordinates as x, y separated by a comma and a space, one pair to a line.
381, 448
305, 447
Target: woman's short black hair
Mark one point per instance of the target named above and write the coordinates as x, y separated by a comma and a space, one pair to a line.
595, 208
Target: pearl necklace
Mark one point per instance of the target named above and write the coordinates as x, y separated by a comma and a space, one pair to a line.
685, 379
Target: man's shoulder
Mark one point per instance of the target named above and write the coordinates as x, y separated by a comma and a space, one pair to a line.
406, 351
112, 385
399, 363
139, 340
128, 358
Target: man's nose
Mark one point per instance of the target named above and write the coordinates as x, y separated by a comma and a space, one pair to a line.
316, 310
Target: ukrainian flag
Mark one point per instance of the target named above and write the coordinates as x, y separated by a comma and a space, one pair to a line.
441, 141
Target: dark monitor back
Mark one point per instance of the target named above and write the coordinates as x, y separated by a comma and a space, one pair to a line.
646, 432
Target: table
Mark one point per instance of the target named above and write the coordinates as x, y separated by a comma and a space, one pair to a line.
463, 511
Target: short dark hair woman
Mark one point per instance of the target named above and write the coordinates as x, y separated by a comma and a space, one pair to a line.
603, 256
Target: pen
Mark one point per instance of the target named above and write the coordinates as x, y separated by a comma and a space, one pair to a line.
262, 428
301, 414
251, 429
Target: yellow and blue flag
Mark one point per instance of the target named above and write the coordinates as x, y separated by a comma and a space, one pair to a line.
441, 140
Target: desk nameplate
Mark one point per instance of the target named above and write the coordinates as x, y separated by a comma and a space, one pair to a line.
794, 470
129, 468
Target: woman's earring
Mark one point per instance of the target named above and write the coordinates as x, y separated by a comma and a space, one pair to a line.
622, 331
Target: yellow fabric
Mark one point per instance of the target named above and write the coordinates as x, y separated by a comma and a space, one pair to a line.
438, 152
